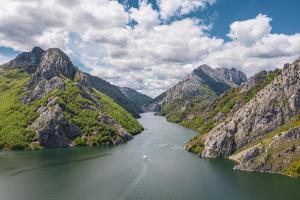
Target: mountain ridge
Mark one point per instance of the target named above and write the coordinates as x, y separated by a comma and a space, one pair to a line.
138, 98
202, 82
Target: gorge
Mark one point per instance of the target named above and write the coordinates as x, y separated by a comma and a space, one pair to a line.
49, 103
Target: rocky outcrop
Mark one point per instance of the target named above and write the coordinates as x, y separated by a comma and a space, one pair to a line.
54, 66
272, 107
232, 75
275, 155
203, 81
53, 129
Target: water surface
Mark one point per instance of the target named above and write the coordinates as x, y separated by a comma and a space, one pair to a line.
120, 173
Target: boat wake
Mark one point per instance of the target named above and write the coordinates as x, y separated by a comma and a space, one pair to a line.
134, 183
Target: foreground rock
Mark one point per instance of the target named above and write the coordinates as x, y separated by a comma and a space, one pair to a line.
265, 129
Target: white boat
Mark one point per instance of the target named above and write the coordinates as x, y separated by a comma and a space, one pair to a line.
145, 157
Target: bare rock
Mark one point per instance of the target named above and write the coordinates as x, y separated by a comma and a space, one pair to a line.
53, 129
273, 106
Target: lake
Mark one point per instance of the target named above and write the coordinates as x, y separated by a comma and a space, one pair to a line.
119, 172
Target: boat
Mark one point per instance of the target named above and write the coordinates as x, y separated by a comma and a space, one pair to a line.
145, 157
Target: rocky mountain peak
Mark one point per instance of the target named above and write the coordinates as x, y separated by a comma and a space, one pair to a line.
204, 81
232, 74
27, 61
53, 65
55, 62
38, 51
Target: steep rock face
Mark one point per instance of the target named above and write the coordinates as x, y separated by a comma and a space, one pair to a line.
275, 155
55, 62
53, 66
27, 61
272, 107
136, 97
204, 118
232, 75
53, 129
254, 81
203, 81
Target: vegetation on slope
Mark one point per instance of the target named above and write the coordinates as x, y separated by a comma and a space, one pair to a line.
294, 169
120, 115
136, 97
15, 117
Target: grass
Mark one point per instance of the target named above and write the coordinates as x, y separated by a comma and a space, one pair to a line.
294, 169
268, 79
124, 118
14, 115
196, 144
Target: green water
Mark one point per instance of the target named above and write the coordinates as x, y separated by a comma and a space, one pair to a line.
120, 173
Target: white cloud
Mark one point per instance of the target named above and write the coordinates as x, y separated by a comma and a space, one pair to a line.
150, 56
250, 31
4, 59
170, 8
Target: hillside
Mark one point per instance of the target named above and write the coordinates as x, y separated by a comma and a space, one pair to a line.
260, 126
116, 94
46, 102
136, 97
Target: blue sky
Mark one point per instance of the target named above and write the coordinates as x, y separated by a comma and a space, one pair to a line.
285, 14
150, 45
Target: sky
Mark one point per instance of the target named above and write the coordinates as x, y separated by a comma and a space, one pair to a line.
151, 45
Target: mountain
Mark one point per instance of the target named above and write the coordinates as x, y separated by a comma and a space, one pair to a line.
29, 62
260, 128
48, 102
136, 97
116, 94
232, 75
203, 82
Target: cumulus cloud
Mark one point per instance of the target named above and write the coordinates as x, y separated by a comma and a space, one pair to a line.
170, 8
139, 47
250, 31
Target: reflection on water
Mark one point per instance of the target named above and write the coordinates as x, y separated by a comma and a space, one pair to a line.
121, 173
